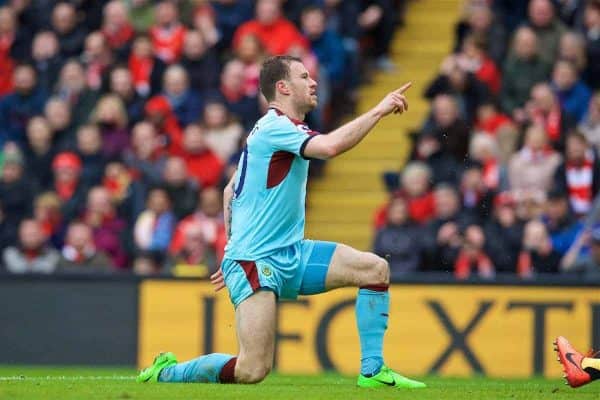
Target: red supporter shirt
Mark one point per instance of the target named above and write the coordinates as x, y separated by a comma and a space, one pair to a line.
6, 64
277, 37
206, 167
168, 42
488, 73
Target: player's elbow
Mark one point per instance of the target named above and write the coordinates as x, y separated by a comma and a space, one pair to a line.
330, 151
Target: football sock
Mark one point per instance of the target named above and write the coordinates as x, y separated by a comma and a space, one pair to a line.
211, 368
591, 366
372, 308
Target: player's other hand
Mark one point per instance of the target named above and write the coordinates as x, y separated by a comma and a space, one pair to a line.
394, 101
217, 280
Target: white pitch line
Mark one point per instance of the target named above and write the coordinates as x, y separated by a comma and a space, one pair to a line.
66, 378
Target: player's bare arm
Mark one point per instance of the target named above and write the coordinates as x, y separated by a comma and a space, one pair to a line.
349, 135
217, 278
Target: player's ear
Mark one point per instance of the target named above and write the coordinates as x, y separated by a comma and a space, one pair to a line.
282, 87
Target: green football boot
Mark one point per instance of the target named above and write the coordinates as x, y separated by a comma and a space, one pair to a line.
387, 377
151, 373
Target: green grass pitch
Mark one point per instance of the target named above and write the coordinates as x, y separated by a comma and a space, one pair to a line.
25, 383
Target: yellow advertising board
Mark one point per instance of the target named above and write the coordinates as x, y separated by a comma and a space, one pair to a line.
454, 330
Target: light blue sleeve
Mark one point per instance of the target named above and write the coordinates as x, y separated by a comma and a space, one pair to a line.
285, 136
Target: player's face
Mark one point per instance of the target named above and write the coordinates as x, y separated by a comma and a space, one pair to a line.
303, 87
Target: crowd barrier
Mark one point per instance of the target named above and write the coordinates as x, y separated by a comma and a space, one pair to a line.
436, 326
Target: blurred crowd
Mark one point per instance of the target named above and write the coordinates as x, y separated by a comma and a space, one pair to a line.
121, 120
505, 168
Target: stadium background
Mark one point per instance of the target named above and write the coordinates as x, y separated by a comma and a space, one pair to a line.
110, 179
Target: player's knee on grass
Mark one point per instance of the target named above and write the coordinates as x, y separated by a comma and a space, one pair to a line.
251, 372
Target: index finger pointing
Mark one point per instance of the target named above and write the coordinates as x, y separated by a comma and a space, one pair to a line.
404, 88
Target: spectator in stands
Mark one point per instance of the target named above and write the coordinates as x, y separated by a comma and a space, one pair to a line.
474, 58
25, 101
16, 191
233, 92
537, 254
442, 165
572, 49
89, 150
121, 84
573, 95
200, 62
504, 234
145, 159
146, 69
592, 36
223, 131
97, 58
484, 150
39, 152
472, 257
181, 189
185, 102
531, 169
399, 240
59, 117
70, 33
159, 112
548, 28
141, 14
480, 20
8, 231
209, 216
560, 222
326, 44
588, 265
117, 29
274, 31
579, 174
46, 211
523, 68
69, 186
476, 196
416, 178
72, 88
544, 110
202, 163
154, 226
205, 22
229, 16
111, 118
456, 81
443, 239
46, 59
31, 255
7, 64
195, 258
251, 53
590, 126
126, 195
167, 33
416, 191
79, 254
108, 228
491, 120
452, 131
15, 38
376, 20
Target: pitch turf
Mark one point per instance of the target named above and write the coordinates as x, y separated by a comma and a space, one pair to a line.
25, 383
